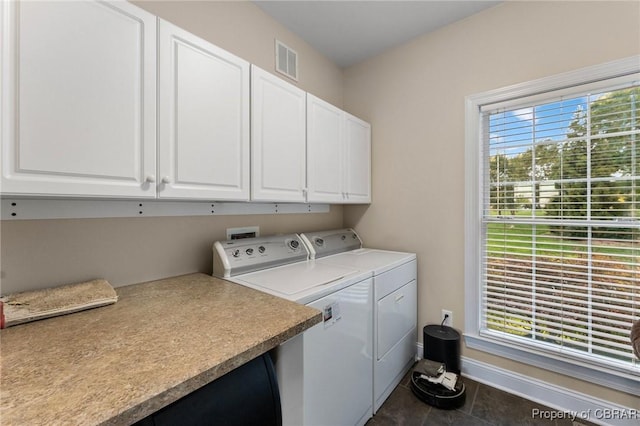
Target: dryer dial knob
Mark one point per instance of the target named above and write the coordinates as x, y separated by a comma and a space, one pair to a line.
235, 253
293, 244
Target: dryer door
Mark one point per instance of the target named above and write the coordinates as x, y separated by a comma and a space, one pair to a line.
396, 317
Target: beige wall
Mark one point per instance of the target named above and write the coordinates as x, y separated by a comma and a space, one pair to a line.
414, 98
44, 253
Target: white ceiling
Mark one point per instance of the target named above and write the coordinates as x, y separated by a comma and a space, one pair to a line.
349, 32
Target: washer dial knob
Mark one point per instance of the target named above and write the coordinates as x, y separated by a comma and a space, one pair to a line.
293, 244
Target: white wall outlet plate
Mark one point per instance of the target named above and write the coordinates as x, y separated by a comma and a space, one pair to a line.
449, 318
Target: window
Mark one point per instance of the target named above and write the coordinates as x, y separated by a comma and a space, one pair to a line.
554, 224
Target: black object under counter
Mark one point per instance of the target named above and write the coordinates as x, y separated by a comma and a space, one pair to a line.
248, 395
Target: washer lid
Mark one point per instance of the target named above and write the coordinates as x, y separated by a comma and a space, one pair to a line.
300, 280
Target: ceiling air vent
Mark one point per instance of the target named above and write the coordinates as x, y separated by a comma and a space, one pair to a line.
286, 60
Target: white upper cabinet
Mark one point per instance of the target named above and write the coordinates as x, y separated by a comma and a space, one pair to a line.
325, 151
358, 160
338, 155
204, 119
78, 99
82, 82
278, 127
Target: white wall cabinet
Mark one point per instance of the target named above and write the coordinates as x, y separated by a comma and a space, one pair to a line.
357, 135
325, 151
338, 155
204, 119
78, 99
278, 148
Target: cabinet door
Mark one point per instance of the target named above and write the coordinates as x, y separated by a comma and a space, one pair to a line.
358, 160
278, 131
204, 119
325, 151
78, 99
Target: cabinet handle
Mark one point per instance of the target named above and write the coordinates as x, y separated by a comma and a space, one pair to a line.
399, 297
166, 179
150, 178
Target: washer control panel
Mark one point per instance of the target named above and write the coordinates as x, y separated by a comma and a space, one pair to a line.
234, 257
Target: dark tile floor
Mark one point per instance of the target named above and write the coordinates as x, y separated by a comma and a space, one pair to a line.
484, 405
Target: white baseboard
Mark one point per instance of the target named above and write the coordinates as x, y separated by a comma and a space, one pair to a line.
563, 400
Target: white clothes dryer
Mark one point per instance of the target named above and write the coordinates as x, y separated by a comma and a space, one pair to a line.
394, 301
325, 372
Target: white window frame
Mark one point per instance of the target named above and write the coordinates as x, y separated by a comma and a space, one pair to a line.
618, 380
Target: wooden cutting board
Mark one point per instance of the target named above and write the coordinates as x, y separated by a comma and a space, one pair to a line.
50, 302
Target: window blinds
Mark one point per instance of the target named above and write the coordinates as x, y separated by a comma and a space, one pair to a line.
561, 223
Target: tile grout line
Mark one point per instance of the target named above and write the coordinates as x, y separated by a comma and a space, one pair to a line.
473, 401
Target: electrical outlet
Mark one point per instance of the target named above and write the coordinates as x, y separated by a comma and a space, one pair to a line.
449, 318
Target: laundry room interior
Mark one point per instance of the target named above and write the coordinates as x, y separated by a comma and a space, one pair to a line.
413, 96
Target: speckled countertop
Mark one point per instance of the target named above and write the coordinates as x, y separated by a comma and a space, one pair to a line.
160, 341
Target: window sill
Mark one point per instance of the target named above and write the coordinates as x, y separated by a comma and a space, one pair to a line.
574, 368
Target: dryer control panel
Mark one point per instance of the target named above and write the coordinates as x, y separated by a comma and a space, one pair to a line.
326, 243
234, 257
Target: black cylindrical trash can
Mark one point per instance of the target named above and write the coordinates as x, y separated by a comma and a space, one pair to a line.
442, 344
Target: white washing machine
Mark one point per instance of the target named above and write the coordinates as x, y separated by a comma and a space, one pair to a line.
395, 301
324, 374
